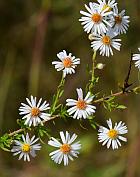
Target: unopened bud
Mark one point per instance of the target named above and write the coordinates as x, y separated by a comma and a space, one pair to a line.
100, 66
91, 37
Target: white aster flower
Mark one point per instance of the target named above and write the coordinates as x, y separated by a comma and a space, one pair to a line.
120, 22
109, 5
67, 64
26, 148
94, 20
67, 149
34, 111
136, 58
105, 42
82, 107
112, 136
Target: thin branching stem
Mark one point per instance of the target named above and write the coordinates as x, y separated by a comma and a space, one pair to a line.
23, 129
58, 92
93, 72
117, 94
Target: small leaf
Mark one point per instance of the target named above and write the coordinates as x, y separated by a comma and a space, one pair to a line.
136, 90
5, 149
93, 126
121, 107
61, 93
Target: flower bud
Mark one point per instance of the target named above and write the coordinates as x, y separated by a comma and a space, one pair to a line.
100, 66
91, 37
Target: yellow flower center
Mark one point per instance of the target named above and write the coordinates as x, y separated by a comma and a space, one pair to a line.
35, 111
96, 18
118, 19
65, 148
26, 147
81, 104
106, 40
113, 134
67, 62
106, 7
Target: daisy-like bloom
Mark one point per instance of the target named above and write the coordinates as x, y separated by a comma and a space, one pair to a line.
105, 42
82, 107
136, 58
26, 148
112, 136
120, 22
94, 20
67, 64
34, 111
67, 149
108, 5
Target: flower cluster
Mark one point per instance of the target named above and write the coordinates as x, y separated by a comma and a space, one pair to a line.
35, 114
104, 21
67, 149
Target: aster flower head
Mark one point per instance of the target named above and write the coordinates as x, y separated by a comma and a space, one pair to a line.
67, 63
136, 58
120, 21
112, 136
34, 111
94, 20
105, 42
26, 148
81, 108
67, 149
108, 5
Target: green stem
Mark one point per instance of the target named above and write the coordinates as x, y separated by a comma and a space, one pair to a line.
58, 94
93, 72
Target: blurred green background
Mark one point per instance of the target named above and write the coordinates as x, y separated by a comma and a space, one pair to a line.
32, 32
